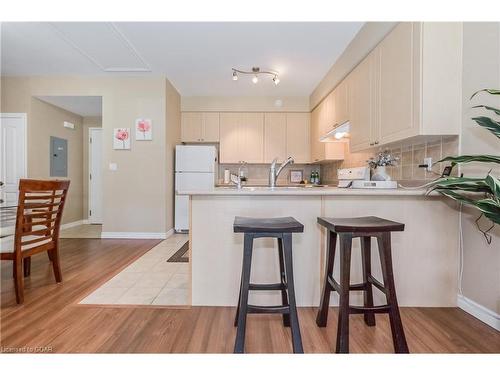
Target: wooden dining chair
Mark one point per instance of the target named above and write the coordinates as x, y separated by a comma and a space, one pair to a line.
38, 219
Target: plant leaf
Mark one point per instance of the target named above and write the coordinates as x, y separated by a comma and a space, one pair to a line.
494, 185
463, 183
496, 110
470, 158
489, 91
489, 207
488, 123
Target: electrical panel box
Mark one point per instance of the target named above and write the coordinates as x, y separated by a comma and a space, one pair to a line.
58, 157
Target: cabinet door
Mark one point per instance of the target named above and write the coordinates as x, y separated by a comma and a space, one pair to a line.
251, 138
327, 114
191, 124
361, 100
210, 130
275, 126
396, 84
317, 147
229, 138
341, 103
297, 137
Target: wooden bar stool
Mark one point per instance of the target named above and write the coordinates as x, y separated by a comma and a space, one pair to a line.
364, 228
282, 229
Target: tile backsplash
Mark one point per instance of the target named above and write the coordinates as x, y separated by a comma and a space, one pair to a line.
259, 173
410, 156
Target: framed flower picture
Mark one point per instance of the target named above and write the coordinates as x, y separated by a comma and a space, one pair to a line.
121, 139
143, 130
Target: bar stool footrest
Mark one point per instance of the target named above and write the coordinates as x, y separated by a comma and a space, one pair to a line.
252, 309
377, 284
382, 309
277, 286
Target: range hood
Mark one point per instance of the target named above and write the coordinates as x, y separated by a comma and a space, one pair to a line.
338, 133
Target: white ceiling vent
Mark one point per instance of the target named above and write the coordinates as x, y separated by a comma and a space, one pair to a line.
103, 44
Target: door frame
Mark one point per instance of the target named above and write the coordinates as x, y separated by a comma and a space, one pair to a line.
24, 118
89, 163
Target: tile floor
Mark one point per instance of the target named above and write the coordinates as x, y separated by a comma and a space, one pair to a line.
82, 231
150, 280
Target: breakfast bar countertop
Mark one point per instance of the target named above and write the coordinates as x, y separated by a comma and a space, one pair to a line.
305, 191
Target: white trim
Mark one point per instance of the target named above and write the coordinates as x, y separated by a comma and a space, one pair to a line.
89, 166
85, 221
482, 313
24, 117
138, 235
72, 224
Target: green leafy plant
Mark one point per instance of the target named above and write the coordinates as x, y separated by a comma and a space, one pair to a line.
460, 188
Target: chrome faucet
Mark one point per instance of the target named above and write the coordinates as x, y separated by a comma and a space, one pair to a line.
238, 177
273, 173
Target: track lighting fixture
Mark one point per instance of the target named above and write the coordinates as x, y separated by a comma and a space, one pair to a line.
256, 72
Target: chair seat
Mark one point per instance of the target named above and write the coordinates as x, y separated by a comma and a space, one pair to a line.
7, 243
360, 224
267, 225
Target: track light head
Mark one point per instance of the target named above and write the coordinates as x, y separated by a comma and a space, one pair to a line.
255, 79
276, 80
235, 76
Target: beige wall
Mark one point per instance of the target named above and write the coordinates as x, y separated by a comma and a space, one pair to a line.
134, 196
44, 121
88, 122
244, 103
481, 69
173, 138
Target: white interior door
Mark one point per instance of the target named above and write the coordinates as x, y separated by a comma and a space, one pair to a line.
13, 155
95, 176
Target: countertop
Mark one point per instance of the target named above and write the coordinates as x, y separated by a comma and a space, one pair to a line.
304, 191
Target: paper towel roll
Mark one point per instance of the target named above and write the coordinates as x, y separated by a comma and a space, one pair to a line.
226, 176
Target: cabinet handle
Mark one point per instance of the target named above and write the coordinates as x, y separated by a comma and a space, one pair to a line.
376, 142
371, 144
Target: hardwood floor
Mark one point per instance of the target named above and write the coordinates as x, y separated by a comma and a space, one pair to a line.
50, 317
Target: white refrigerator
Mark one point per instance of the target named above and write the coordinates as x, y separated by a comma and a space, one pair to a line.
195, 169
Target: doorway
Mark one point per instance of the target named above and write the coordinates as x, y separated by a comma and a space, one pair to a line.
13, 163
95, 176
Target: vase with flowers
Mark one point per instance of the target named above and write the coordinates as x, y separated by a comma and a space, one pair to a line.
379, 163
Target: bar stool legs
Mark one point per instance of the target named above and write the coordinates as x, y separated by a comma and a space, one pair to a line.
366, 262
398, 335
286, 285
284, 297
294, 319
344, 286
239, 345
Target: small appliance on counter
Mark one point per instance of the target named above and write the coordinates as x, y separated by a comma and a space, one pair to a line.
359, 178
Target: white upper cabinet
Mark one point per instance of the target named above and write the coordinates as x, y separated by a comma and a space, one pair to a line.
275, 136
241, 137
210, 127
362, 92
298, 130
191, 126
200, 127
411, 84
397, 81
340, 111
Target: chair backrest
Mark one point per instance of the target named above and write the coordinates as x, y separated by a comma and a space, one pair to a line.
39, 213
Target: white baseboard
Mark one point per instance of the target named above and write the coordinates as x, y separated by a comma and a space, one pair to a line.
138, 235
72, 224
480, 312
86, 221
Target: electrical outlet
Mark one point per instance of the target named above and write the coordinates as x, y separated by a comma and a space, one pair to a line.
428, 162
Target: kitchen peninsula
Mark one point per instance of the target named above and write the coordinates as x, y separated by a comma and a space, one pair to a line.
425, 255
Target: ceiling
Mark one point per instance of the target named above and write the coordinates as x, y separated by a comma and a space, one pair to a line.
85, 106
197, 57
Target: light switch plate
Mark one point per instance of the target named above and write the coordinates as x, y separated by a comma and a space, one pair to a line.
113, 166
